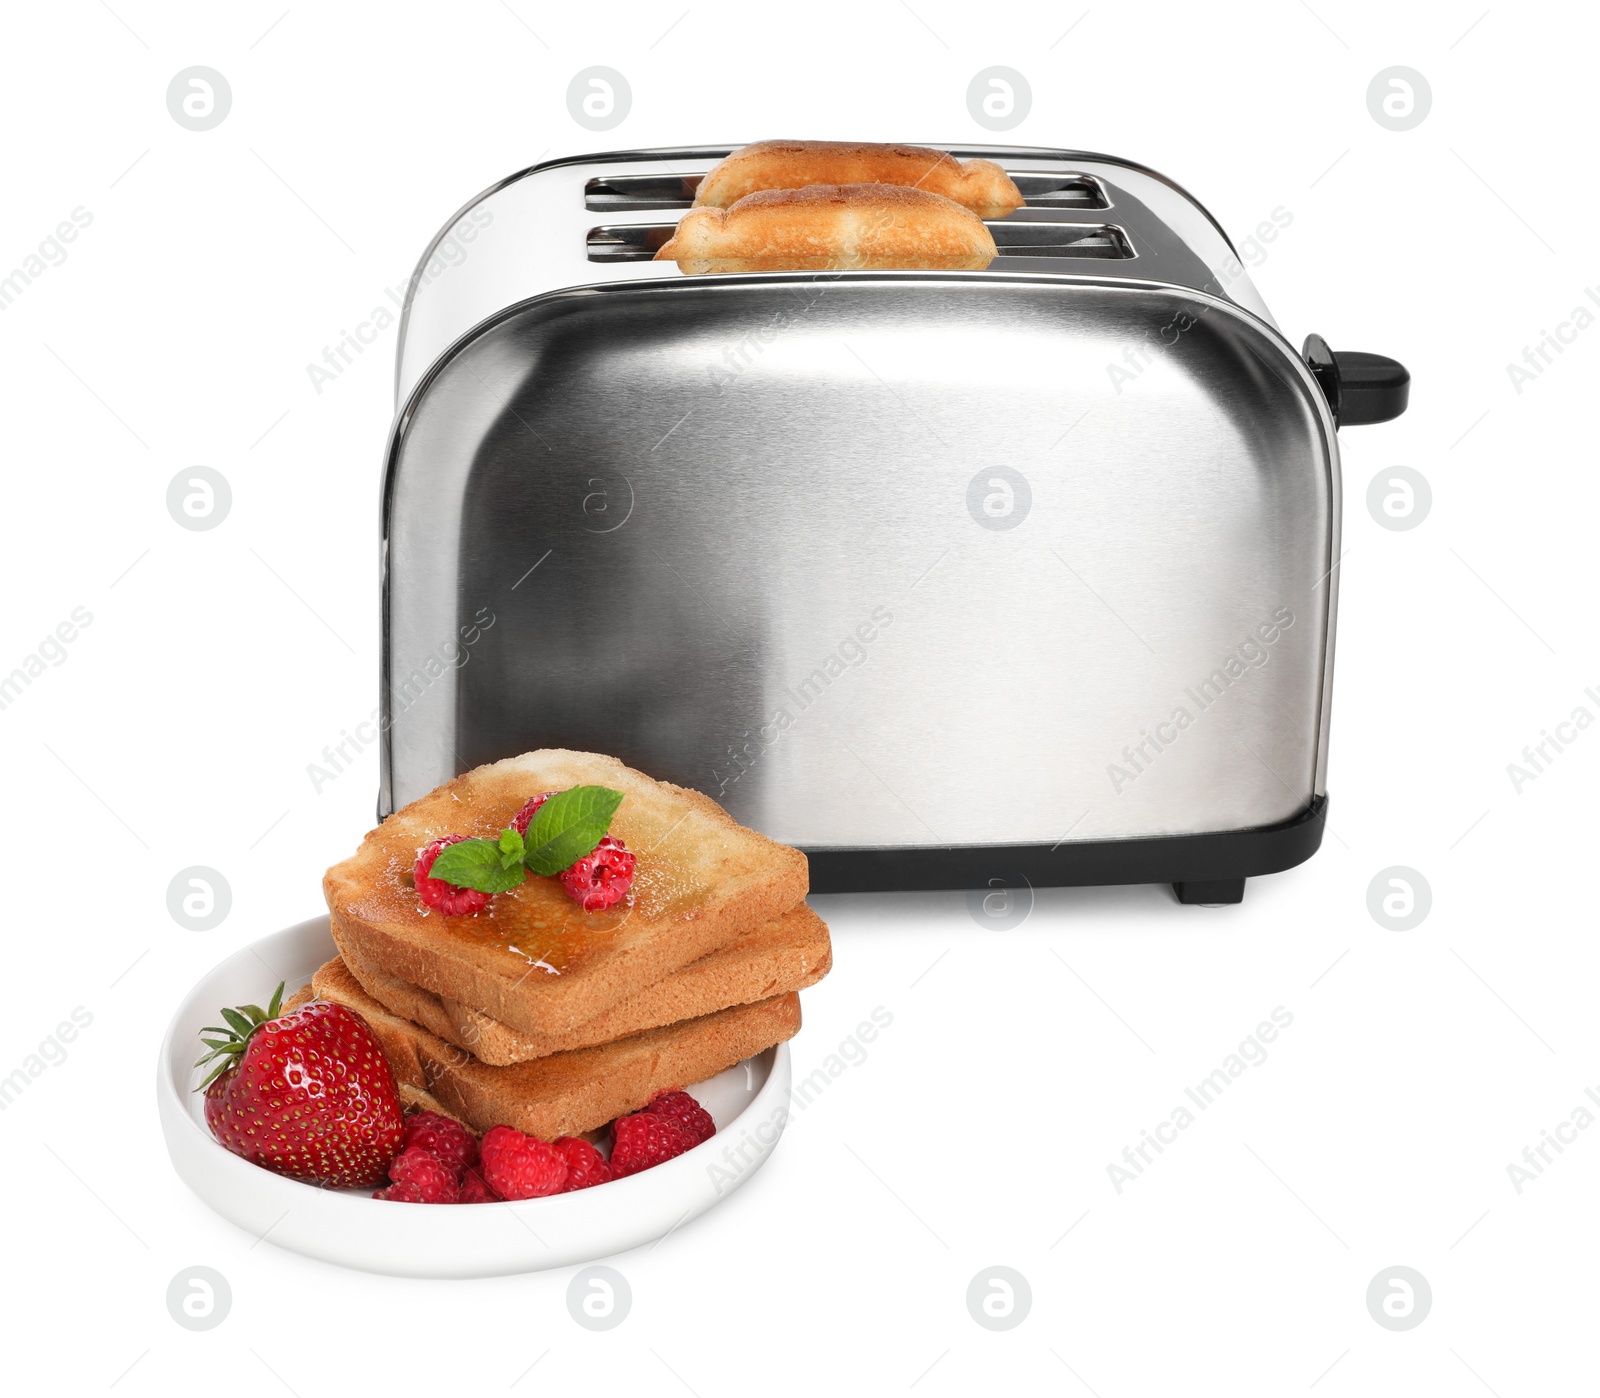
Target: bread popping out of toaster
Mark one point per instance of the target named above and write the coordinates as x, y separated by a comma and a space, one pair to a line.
534, 960
979, 185
787, 954
850, 227
563, 1094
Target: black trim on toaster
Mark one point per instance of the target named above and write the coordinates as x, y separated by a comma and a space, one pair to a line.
1207, 868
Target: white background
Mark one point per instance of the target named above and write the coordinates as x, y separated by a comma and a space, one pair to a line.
1019, 1064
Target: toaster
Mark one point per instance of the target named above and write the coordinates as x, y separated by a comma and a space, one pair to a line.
968, 579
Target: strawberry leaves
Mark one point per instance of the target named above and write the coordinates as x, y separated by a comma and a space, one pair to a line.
229, 1044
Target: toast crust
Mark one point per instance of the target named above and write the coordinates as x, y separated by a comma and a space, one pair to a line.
534, 960
564, 1094
979, 185
832, 228
789, 953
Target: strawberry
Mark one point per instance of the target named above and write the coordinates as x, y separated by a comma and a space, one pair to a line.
645, 1139
521, 1167
688, 1113
309, 1095
585, 1165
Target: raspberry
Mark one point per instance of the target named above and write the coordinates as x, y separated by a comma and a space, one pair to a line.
529, 810
521, 1167
420, 1177
602, 878
455, 1146
585, 1165
436, 893
475, 1189
401, 1194
684, 1110
645, 1139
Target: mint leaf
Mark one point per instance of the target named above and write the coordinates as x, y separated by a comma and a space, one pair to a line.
511, 848
568, 826
475, 864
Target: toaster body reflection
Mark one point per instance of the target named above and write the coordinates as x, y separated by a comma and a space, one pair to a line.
951, 579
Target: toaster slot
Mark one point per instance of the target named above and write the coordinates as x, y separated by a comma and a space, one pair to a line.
616, 193
1033, 239
628, 242
639, 242
638, 193
1042, 191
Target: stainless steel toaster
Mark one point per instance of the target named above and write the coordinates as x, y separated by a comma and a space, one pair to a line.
952, 579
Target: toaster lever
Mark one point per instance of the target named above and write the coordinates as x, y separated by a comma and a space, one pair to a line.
1360, 388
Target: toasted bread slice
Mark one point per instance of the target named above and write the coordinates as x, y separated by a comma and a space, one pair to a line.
564, 1094
788, 953
826, 227
533, 959
979, 185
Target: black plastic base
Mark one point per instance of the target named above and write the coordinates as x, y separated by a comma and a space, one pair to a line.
1209, 868
1209, 892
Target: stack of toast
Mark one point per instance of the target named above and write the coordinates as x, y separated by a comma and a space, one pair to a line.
536, 1014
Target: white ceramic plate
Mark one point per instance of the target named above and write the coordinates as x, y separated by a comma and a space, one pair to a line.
748, 1103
